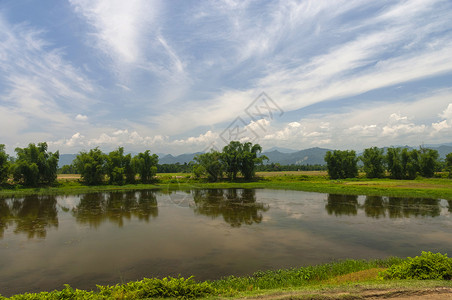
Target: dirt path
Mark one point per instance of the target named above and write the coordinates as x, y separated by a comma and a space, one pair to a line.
432, 294
399, 294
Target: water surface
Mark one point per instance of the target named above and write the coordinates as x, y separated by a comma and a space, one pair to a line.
107, 238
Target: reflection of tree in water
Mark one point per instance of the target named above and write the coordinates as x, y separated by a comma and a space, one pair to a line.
342, 205
6, 216
450, 205
97, 208
236, 206
377, 206
408, 207
31, 215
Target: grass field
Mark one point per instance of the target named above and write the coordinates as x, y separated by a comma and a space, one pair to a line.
311, 181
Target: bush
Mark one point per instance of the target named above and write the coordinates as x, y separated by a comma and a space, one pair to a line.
427, 266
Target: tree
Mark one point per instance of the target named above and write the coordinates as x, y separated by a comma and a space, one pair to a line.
34, 165
146, 165
393, 159
230, 157
449, 164
342, 164
130, 169
410, 163
373, 160
210, 164
407, 164
68, 169
120, 168
4, 165
249, 159
91, 166
428, 159
237, 157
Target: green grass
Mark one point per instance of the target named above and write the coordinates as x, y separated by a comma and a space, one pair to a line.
424, 188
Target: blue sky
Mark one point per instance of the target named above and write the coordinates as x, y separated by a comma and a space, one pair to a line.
184, 76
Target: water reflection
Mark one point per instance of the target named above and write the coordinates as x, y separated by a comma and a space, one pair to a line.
96, 208
31, 215
342, 205
378, 206
236, 206
407, 207
35, 215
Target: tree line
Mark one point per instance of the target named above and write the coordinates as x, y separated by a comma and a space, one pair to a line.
395, 162
35, 166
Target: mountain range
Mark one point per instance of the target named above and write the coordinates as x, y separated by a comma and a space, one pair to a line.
282, 156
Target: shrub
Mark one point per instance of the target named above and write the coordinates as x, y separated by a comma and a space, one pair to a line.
427, 266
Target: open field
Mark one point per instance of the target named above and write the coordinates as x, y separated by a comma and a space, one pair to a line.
311, 181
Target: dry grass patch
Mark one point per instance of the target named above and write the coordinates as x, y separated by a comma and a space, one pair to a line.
364, 275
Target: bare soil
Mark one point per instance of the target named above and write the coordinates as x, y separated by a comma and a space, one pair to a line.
399, 294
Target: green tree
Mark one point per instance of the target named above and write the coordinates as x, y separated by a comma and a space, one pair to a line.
449, 164
394, 162
4, 165
428, 159
373, 159
230, 157
68, 169
91, 166
34, 165
237, 157
146, 165
120, 168
210, 164
130, 169
342, 164
249, 159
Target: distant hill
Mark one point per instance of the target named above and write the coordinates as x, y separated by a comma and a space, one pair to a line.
283, 156
183, 158
311, 156
282, 150
66, 159
443, 150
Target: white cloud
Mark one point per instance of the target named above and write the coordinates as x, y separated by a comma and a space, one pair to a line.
447, 113
76, 139
441, 125
80, 117
181, 67
119, 25
39, 87
359, 59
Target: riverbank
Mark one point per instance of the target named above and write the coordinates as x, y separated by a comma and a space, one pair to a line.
349, 279
440, 188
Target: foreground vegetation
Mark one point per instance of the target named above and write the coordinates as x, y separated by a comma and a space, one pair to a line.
307, 280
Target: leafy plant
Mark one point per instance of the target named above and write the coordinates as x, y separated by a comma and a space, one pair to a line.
426, 266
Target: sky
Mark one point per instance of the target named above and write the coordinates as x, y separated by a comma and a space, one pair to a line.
187, 76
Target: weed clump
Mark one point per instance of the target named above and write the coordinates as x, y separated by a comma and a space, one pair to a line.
426, 266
